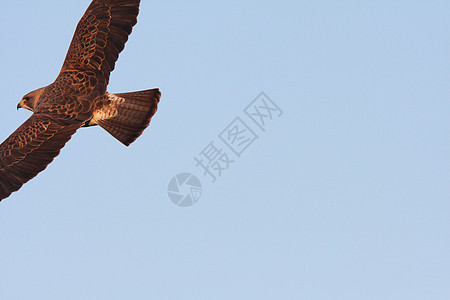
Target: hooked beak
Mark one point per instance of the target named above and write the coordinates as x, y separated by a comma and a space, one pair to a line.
20, 104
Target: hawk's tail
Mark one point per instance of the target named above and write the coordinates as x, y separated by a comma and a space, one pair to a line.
129, 114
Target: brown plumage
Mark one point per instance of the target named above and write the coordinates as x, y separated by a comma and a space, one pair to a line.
78, 97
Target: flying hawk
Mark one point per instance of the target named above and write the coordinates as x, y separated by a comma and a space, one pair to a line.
78, 97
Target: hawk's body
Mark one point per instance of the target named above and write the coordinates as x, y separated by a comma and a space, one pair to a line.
78, 97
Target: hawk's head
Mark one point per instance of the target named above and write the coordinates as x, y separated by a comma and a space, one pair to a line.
30, 100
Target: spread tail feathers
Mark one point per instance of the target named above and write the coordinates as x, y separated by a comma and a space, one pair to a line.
126, 115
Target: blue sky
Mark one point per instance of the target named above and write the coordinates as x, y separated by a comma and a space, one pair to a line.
344, 196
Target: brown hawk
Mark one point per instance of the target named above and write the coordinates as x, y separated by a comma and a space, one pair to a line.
78, 97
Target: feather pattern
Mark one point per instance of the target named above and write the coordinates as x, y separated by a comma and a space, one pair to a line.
78, 97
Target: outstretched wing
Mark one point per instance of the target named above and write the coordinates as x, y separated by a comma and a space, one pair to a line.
29, 150
100, 36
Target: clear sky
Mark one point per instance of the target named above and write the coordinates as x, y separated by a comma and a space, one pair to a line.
344, 196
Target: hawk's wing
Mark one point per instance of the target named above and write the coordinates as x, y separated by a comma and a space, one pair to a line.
65, 105
100, 36
29, 150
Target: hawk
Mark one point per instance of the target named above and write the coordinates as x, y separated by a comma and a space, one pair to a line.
78, 97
